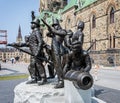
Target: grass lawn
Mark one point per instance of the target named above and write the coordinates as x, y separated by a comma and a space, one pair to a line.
13, 77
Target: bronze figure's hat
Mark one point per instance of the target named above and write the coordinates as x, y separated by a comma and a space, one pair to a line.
55, 22
36, 22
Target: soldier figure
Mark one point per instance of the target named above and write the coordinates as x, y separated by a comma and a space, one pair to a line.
35, 43
50, 58
36, 46
78, 62
57, 34
67, 40
78, 37
78, 59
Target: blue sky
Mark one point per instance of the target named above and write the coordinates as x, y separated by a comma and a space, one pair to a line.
14, 13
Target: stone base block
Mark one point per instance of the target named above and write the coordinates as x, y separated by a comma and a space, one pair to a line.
32, 93
75, 95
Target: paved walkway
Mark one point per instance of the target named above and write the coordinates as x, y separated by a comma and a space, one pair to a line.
107, 68
13, 69
7, 86
106, 76
7, 90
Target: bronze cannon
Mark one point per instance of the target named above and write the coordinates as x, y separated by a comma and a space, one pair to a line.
82, 80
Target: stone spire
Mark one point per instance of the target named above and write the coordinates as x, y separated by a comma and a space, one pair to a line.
19, 36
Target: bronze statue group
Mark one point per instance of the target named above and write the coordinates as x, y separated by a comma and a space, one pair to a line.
65, 55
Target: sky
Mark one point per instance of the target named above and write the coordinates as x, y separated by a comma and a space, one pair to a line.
14, 13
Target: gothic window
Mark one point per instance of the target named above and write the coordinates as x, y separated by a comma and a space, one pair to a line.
93, 21
112, 15
68, 21
114, 41
110, 42
94, 46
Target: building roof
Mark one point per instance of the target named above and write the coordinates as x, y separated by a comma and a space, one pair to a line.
42, 15
70, 5
88, 2
81, 4
49, 16
45, 14
7, 49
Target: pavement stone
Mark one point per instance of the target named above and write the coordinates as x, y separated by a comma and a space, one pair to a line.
13, 69
7, 90
106, 68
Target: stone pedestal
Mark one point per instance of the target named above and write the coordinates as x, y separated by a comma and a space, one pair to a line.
74, 95
32, 93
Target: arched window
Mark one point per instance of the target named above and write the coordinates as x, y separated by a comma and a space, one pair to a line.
114, 41
68, 21
112, 15
93, 21
110, 40
94, 46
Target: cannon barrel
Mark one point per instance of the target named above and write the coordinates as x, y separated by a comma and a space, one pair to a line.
82, 80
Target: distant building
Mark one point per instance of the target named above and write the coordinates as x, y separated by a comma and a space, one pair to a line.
8, 53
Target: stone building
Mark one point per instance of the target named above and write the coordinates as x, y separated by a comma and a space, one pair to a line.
101, 19
8, 53
102, 25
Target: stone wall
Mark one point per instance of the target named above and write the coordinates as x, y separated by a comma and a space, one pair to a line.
103, 30
107, 57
